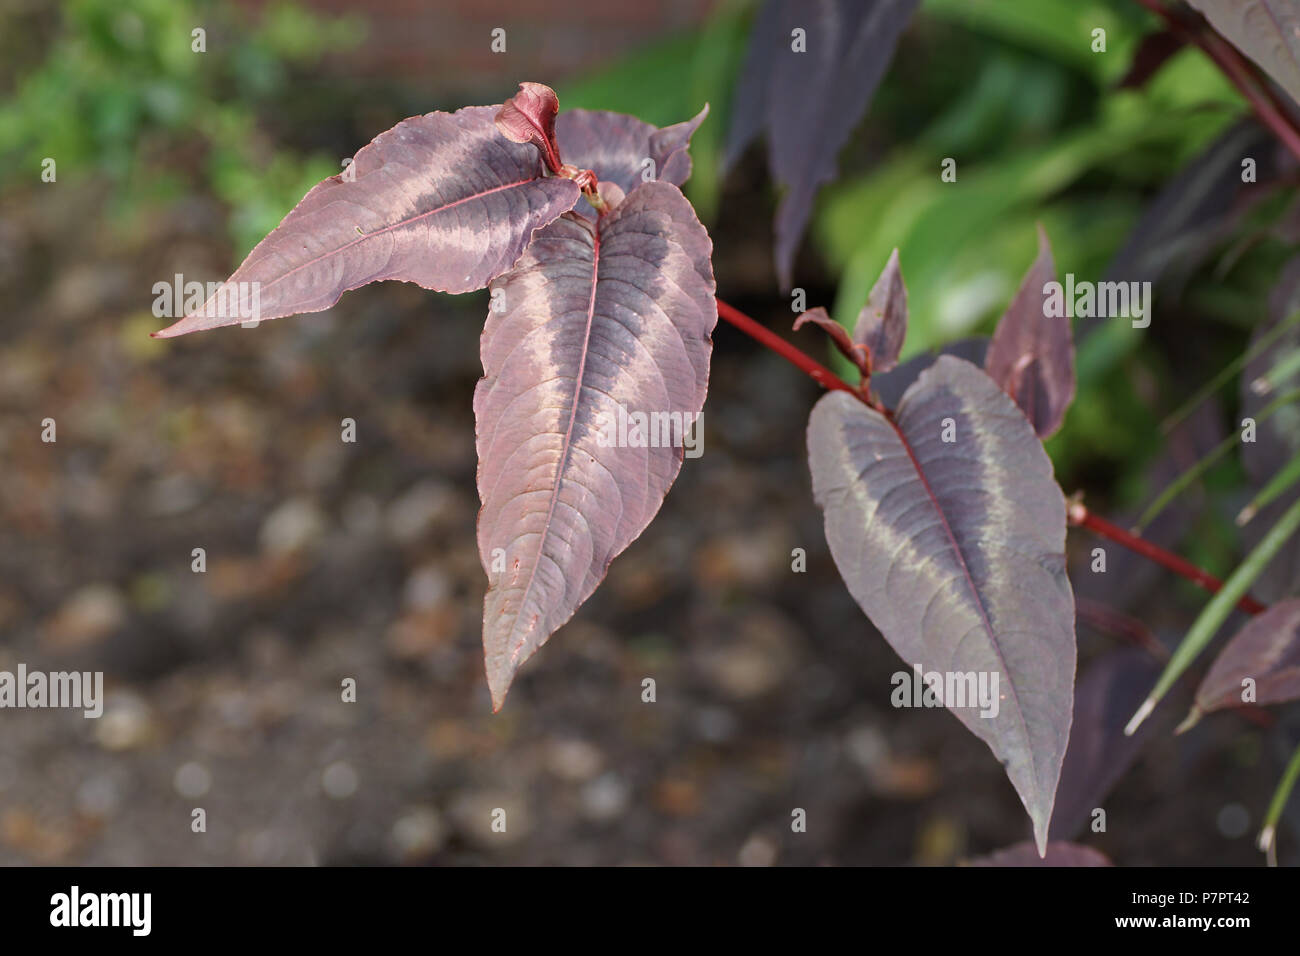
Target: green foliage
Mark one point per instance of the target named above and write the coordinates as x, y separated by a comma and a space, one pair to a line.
121, 95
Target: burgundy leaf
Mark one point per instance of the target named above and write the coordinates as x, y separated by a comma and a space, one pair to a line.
598, 323
811, 101
882, 323
1058, 854
624, 150
949, 530
1267, 31
1099, 753
854, 352
890, 386
1032, 354
442, 200
529, 117
1266, 650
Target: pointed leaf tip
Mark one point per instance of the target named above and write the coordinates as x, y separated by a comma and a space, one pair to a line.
882, 323
442, 200
603, 322
1032, 353
955, 549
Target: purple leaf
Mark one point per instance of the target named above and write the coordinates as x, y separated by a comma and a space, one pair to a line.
1058, 854
949, 531
598, 323
1031, 356
1267, 31
955, 549
810, 101
442, 200
882, 323
854, 352
624, 150
890, 386
1266, 650
529, 117
1099, 752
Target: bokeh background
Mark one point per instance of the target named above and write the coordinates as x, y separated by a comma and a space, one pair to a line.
328, 560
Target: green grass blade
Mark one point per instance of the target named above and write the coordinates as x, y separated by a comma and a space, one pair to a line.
1216, 612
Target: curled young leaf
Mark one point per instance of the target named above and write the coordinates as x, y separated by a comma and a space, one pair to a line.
882, 323
1031, 356
529, 117
949, 530
596, 364
442, 200
626, 151
853, 351
1267, 652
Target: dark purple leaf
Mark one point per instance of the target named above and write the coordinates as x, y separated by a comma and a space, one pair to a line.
626, 151
529, 117
1099, 753
955, 549
882, 323
1032, 354
1267, 31
1266, 650
1058, 854
1186, 218
811, 101
890, 386
442, 200
597, 323
1152, 53
854, 352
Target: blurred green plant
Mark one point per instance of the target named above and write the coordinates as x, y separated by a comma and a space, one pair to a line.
121, 94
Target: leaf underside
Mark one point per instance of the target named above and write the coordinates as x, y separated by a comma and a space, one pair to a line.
595, 318
442, 200
955, 551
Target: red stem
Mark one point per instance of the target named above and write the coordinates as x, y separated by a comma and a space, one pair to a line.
1081, 517
1243, 76
1077, 513
792, 353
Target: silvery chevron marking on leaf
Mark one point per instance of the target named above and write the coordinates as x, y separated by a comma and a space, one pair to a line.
1032, 354
443, 200
808, 103
1267, 31
956, 552
596, 315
